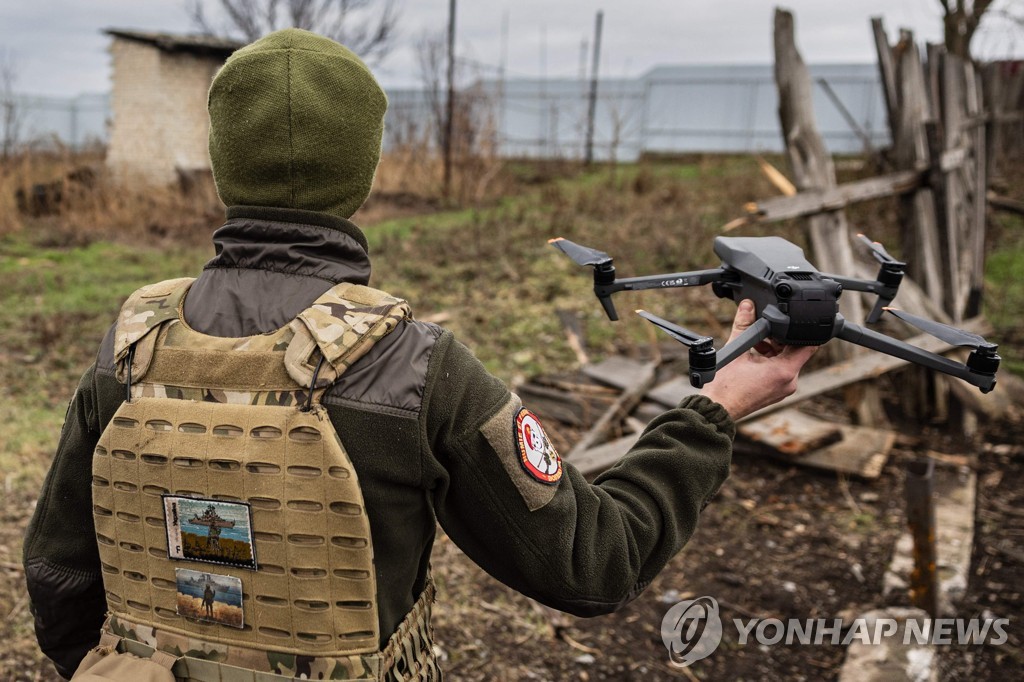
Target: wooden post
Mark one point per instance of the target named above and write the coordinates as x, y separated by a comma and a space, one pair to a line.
887, 71
976, 240
449, 122
810, 161
959, 181
588, 156
813, 170
910, 149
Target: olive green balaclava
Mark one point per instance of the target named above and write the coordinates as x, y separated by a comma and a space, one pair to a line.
295, 122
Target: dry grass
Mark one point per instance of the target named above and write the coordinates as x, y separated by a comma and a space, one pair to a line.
74, 200
72, 197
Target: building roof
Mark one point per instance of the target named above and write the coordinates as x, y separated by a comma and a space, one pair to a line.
169, 42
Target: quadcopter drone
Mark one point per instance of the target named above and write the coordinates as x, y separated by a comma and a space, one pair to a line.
794, 303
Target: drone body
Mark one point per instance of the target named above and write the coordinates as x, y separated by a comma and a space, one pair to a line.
773, 273
795, 304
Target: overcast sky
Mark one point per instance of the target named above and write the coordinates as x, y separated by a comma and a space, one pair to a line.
59, 48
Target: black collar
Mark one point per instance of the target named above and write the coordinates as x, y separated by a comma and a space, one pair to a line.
292, 242
302, 217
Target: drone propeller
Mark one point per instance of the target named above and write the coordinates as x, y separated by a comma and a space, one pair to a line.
879, 252
703, 356
604, 271
943, 332
889, 276
581, 255
683, 336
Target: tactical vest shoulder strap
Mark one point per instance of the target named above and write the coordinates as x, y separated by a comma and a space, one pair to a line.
343, 324
144, 311
340, 326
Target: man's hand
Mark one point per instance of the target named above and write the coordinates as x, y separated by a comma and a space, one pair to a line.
760, 377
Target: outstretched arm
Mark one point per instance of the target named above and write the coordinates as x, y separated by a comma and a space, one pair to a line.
585, 548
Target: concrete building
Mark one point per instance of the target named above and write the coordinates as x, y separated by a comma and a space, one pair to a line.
159, 126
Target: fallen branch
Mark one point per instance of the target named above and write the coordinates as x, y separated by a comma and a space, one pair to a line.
812, 202
1005, 203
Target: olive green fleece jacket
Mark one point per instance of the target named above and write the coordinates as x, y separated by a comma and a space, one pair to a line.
422, 421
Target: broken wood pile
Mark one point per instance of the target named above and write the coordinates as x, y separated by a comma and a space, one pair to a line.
599, 413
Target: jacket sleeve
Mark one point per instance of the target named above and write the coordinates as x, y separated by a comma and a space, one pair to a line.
62, 565
583, 548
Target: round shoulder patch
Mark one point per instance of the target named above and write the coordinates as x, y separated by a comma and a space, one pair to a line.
537, 454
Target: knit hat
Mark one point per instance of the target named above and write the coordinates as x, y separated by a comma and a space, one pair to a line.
296, 121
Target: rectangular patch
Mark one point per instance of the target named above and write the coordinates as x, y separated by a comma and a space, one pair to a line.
209, 597
211, 531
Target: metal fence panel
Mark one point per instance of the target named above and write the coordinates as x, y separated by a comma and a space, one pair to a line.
673, 109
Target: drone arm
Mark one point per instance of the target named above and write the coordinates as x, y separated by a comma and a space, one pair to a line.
670, 281
886, 291
605, 283
751, 336
870, 286
886, 344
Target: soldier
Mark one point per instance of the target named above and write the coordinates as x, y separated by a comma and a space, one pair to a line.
338, 429
208, 596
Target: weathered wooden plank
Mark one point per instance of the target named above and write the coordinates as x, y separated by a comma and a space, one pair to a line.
910, 149
867, 366
648, 410
862, 451
953, 159
776, 177
573, 328
1005, 203
672, 391
817, 200
620, 409
976, 244
955, 228
554, 404
887, 70
790, 432
597, 459
616, 371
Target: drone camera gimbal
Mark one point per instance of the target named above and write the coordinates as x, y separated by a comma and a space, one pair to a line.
794, 303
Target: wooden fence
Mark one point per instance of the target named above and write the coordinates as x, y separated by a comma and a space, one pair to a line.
941, 142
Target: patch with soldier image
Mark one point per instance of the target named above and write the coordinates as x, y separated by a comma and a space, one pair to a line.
212, 531
209, 597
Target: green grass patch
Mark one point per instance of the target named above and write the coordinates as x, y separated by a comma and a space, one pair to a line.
1004, 290
55, 306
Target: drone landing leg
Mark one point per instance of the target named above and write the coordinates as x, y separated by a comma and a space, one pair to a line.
871, 339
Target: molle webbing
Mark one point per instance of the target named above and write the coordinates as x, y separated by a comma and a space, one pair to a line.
408, 655
314, 590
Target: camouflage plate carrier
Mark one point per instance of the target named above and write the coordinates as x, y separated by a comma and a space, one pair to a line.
230, 433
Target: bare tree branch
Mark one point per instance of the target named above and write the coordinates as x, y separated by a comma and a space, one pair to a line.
367, 27
10, 111
960, 22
